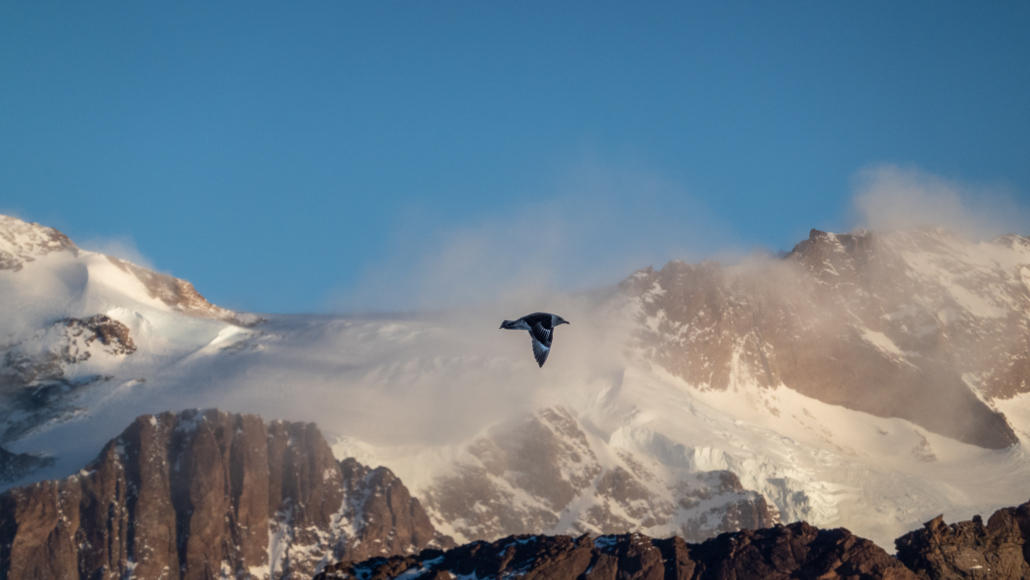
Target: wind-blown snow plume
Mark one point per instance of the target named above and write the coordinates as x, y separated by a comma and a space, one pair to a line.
590, 230
889, 197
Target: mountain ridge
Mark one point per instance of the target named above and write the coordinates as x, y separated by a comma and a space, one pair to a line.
969, 549
632, 431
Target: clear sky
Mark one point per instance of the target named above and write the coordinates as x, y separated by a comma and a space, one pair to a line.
312, 156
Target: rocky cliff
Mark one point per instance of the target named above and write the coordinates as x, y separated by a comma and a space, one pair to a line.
206, 494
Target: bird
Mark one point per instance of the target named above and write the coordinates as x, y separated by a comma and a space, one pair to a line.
541, 327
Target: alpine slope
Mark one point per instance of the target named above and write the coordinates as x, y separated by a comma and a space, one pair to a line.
870, 380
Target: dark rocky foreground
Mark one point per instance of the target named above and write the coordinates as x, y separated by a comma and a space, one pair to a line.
203, 495
794, 551
998, 550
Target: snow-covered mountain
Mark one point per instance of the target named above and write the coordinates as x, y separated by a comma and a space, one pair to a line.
870, 381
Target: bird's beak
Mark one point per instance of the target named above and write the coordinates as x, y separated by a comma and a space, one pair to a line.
566, 322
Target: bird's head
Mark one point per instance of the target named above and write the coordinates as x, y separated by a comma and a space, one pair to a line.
559, 320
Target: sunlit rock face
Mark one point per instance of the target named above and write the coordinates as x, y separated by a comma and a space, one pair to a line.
23, 242
207, 494
920, 325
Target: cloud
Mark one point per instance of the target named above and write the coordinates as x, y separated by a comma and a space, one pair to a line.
593, 228
889, 197
123, 247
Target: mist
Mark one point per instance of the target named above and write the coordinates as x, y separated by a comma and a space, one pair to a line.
890, 197
588, 230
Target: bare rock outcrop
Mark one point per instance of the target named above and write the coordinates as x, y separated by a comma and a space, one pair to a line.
23, 242
37, 384
999, 550
109, 332
203, 495
794, 551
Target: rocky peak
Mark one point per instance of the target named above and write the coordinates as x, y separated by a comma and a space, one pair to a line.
181, 296
833, 258
203, 495
920, 325
22, 242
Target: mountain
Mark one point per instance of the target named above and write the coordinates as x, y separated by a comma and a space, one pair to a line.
207, 494
919, 325
970, 549
70, 317
873, 380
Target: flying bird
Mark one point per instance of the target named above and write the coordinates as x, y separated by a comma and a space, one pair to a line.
541, 327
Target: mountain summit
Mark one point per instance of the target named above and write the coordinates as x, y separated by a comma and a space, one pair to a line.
920, 325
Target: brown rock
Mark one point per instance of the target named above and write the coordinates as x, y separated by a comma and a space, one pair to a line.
111, 333
23, 242
1000, 550
205, 494
782, 552
181, 295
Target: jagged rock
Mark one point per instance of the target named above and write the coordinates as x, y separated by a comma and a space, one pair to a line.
794, 551
387, 519
22, 242
918, 325
109, 332
970, 550
205, 494
34, 384
181, 295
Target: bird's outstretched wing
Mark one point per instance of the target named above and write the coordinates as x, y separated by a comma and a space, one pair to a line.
541, 342
541, 334
540, 351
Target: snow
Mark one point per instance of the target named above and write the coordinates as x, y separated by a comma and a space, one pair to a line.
882, 342
413, 392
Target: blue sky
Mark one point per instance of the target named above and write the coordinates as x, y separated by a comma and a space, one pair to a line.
296, 157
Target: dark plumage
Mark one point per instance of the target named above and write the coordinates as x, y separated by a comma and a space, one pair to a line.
541, 327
